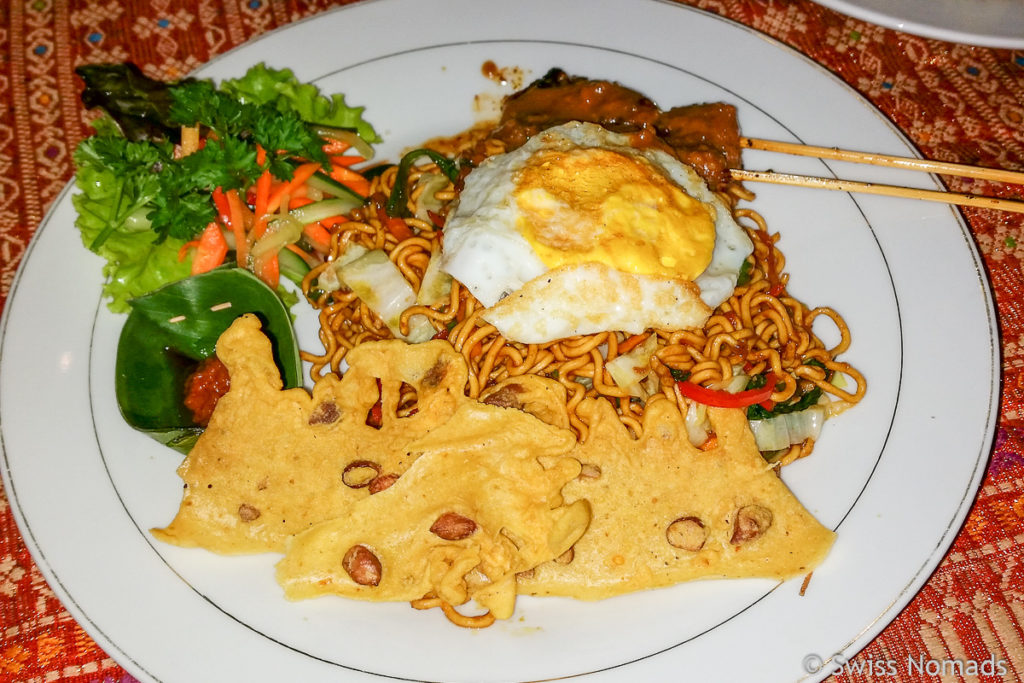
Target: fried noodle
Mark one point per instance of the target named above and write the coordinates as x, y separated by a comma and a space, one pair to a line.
759, 328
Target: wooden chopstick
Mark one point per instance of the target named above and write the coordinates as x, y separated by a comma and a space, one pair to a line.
957, 198
925, 165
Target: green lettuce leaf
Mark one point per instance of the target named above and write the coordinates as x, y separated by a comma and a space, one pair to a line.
281, 89
116, 185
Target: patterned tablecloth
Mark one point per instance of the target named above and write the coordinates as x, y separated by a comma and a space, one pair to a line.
955, 102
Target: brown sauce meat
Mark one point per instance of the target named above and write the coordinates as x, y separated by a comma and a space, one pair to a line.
558, 98
705, 136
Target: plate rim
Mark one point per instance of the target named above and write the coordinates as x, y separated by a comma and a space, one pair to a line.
866, 11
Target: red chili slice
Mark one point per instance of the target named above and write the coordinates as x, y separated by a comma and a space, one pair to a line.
719, 398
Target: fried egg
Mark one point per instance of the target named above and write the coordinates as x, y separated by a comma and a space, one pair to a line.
578, 232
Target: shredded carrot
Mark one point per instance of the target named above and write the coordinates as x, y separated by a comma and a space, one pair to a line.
297, 201
331, 221
262, 198
211, 250
268, 269
346, 160
710, 443
300, 192
350, 179
632, 342
183, 252
237, 226
275, 186
221, 202
396, 226
317, 234
310, 260
303, 173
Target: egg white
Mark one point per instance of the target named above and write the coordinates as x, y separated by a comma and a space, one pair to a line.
532, 303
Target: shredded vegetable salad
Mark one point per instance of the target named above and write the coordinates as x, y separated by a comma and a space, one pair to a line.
183, 177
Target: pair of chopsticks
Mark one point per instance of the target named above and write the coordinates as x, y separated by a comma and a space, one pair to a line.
925, 165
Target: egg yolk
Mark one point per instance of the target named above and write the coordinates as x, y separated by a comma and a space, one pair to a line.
599, 205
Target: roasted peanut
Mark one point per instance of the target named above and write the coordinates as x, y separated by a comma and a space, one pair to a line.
248, 513
686, 533
435, 375
382, 482
325, 413
751, 522
362, 565
452, 526
359, 473
506, 397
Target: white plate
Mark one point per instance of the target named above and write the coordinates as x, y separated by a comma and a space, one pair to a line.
992, 23
895, 477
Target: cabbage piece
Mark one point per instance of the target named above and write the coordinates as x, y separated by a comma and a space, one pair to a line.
737, 384
436, 285
698, 426
427, 186
782, 431
382, 287
630, 369
329, 279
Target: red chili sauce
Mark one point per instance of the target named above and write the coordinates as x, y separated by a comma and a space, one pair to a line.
204, 387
